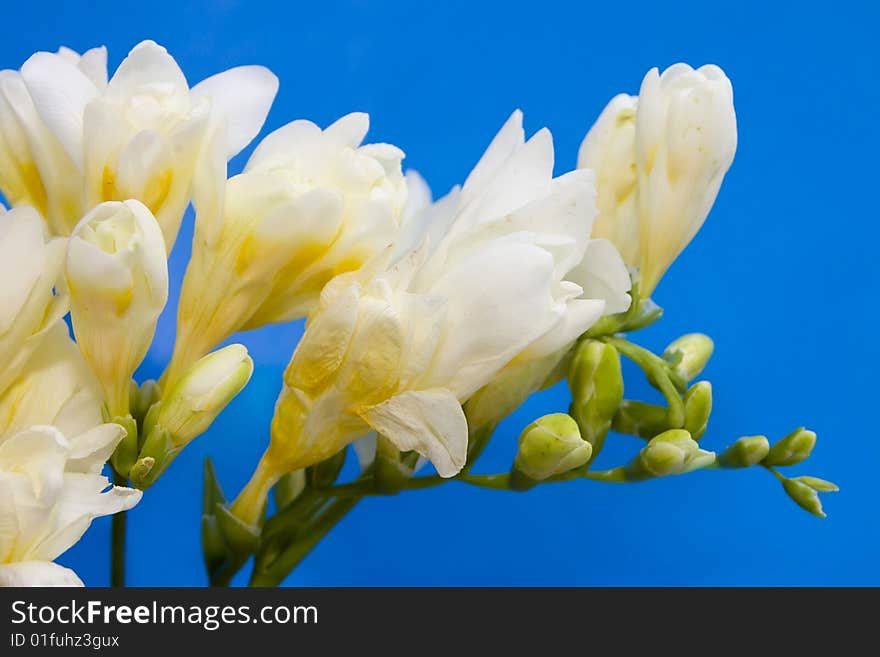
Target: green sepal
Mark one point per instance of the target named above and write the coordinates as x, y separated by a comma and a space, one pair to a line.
157, 452
226, 541
392, 469
125, 455
325, 473
289, 488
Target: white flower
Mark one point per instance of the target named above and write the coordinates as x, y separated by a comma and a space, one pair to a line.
397, 347
138, 136
50, 490
117, 276
29, 269
53, 444
35, 169
659, 160
310, 204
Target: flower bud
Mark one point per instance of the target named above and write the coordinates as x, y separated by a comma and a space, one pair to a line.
635, 418
550, 445
792, 449
659, 160
188, 409
118, 280
596, 385
804, 496
745, 452
672, 452
689, 354
697, 408
818, 485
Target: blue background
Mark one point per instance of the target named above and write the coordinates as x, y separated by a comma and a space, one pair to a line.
783, 276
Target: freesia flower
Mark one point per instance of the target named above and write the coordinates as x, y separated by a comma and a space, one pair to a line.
659, 160
117, 276
138, 136
29, 268
310, 204
50, 490
476, 280
53, 442
35, 169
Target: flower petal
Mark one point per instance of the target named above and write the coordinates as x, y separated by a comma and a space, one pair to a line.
60, 92
430, 422
603, 275
242, 97
37, 573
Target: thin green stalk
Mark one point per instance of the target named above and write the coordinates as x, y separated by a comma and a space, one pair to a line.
658, 375
117, 541
274, 572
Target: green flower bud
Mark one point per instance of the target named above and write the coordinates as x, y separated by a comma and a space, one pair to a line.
697, 408
635, 418
818, 485
596, 385
745, 452
550, 445
792, 449
195, 401
804, 496
672, 452
689, 354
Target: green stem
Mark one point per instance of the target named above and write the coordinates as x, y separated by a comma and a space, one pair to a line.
658, 376
273, 572
117, 541
775, 472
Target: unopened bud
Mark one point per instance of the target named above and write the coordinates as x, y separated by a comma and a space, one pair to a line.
818, 485
189, 408
689, 354
549, 446
697, 408
745, 452
804, 496
672, 452
792, 449
596, 385
635, 418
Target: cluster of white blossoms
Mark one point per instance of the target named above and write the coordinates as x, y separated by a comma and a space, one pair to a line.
424, 319
53, 441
